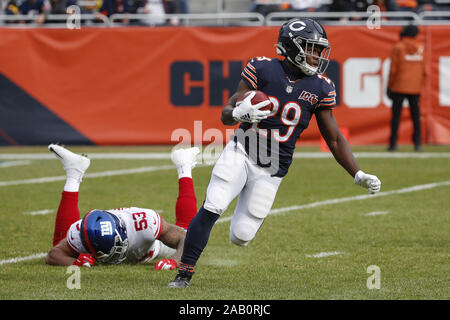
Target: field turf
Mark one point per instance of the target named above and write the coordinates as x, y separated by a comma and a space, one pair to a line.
321, 241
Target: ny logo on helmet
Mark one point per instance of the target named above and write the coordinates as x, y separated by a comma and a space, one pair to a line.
106, 228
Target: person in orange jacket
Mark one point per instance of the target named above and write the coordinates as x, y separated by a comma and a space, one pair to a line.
406, 79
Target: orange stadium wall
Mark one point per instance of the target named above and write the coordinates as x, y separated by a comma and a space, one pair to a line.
117, 86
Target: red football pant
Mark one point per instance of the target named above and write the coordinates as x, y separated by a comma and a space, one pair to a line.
186, 206
67, 214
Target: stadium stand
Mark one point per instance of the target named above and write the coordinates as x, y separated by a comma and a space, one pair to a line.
33, 13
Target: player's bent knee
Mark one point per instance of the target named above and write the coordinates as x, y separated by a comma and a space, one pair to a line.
241, 234
262, 198
218, 196
216, 201
238, 242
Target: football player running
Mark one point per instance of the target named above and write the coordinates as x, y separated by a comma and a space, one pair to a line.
135, 235
298, 90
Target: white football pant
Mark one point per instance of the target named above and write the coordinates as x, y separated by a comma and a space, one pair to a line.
235, 174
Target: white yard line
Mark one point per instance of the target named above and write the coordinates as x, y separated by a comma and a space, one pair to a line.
88, 175
376, 213
39, 212
7, 164
347, 199
323, 254
20, 259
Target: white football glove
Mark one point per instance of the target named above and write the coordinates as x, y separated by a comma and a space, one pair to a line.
246, 112
368, 181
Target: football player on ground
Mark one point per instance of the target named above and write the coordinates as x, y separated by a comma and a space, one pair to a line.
135, 235
298, 90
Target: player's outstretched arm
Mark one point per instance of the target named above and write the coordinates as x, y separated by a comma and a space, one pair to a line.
337, 143
341, 151
173, 237
61, 255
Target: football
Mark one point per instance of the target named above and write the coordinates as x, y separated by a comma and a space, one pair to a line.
259, 97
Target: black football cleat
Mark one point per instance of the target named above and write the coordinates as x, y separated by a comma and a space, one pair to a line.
181, 280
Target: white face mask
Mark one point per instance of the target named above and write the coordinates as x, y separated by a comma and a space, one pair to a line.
309, 50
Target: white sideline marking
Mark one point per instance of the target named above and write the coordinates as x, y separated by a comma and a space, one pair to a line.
20, 259
376, 213
14, 163
166, 155
88, 175
39, 212
293, 208
224, 263
323, 254
346, 199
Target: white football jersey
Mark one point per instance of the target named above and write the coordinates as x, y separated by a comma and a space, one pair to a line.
143, 229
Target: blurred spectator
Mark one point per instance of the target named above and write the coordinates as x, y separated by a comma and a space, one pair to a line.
176, 6
182, 5
39, 8
173, 7
406, 5
264, 7
349, 5
307, 5
386, 5
91, 6
425, 6
428, 6
110, 7
12, 8
60, 6
406, 79
153, 8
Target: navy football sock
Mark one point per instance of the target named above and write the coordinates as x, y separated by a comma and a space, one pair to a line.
197, 237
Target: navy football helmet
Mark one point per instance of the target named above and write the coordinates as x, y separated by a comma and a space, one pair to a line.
104, 235
299, 38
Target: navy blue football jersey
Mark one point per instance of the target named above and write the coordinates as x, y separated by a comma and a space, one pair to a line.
295, 101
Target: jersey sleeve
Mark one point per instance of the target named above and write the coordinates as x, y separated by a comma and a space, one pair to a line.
155, 222
328, 94
74, 239
253, 73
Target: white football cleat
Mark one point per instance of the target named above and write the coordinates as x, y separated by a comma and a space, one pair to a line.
185, 157
73, 163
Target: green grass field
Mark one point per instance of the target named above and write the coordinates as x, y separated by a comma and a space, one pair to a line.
309, 248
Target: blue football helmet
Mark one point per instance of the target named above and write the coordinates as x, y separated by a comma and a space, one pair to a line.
104, 235
299, 38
